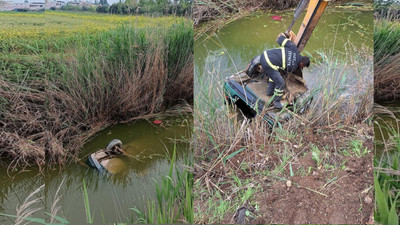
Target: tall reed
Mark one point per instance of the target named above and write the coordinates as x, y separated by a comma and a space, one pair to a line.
387, 167
28, 208
386, 54
174, 199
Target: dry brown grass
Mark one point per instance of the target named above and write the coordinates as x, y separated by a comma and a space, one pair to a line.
206, 10
54, 123
28, 207
387, 78
386, 57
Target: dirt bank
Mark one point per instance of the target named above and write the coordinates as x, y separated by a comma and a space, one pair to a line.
334, 189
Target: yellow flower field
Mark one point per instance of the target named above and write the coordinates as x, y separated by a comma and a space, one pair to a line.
17, 25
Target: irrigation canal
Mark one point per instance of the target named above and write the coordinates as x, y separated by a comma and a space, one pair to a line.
112, 195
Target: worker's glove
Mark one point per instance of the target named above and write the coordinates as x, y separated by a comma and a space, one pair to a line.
286, 35
280, 35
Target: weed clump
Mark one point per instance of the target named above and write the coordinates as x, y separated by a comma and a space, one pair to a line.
386, 54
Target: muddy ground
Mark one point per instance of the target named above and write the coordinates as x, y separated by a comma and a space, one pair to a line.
338, 190
348, 198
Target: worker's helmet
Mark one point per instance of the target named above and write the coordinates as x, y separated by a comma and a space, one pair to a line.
305, 60
254, 68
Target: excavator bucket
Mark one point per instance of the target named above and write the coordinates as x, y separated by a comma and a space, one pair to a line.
315, 9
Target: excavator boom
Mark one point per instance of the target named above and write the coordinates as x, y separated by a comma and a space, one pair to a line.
314, 11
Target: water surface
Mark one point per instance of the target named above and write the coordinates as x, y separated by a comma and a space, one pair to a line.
230, 49
385, 124
110, 195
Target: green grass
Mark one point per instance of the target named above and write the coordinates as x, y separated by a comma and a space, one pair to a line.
89, 218
174, 198
386, 53
386, 41
387, 190
215, 208
316, 156
356, 148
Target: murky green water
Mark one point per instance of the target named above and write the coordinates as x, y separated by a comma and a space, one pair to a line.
386, 125
14, 189
232, 48
110, 195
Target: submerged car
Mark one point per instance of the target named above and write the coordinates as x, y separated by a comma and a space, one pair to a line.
249, 94
103, 159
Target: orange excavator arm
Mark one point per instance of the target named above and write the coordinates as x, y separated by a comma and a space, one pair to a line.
314, 11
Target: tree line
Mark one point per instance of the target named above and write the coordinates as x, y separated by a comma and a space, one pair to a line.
164, 7
154, 7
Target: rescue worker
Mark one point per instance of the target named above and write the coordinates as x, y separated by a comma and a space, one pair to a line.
286, 58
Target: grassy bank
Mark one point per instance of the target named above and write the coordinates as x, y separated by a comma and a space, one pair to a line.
311, 163
82, 72
386, 54
387, 170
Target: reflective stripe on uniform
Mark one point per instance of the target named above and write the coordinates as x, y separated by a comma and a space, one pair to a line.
270, 80
283, 57
284, 42
283, 53
269, 62
278, 92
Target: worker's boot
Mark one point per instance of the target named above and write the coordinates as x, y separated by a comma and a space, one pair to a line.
271, 87
277, 98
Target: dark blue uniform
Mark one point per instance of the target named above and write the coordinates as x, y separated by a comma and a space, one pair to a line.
292, 56
286, 58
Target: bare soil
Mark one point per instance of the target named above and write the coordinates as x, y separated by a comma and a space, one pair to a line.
345, 201
316, 195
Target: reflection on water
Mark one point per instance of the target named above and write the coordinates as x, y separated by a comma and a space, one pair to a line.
15, 188
110, 195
